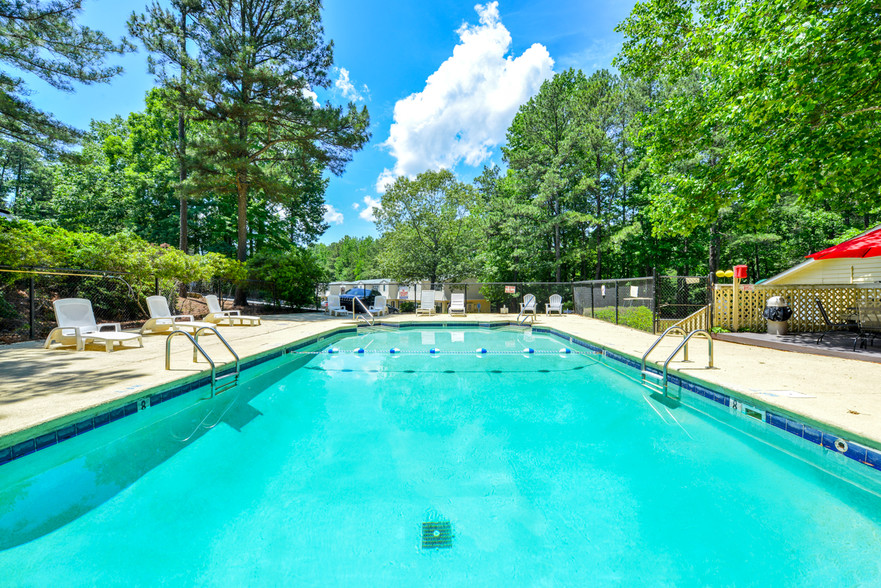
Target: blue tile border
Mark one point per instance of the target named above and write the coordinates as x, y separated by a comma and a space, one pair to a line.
70, 431
855, 451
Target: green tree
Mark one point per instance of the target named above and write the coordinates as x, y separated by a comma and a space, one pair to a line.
257, 62
761, 100
427, 229
165, 33
546, 163
44, 40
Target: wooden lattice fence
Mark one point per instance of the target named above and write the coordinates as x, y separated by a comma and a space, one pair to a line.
806, 317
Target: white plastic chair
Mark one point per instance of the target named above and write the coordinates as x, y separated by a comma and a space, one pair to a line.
457, 303
162, 320
555, 304
528, 305
218, 315
427, 304
334, 307
379, 307
76, 324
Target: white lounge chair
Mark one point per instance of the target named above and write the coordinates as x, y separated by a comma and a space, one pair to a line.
528, 305
162, 320
76, 325
427, 304
555, 304
333, 306
379, 306
457, 303
218, 315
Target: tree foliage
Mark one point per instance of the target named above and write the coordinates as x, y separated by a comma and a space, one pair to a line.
427, 228
43, 39
758, 101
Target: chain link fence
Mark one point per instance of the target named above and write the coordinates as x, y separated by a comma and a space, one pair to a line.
646, 303
26, 310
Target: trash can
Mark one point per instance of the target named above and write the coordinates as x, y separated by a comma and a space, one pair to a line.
777, 313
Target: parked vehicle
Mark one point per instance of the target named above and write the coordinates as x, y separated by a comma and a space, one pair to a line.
367, 298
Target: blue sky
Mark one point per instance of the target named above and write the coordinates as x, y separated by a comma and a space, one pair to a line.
441, 80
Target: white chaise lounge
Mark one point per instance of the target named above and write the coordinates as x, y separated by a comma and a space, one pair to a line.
76, 325
427, 303
379, 306
457, 303
232, 317
162, 320
333, 306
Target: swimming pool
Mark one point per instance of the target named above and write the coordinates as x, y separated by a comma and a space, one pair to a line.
337, 468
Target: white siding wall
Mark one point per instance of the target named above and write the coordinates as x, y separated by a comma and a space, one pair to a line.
836, 271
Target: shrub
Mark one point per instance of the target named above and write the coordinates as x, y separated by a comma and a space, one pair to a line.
637, 317
295, 274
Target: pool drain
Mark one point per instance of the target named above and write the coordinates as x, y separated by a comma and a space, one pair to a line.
437, 535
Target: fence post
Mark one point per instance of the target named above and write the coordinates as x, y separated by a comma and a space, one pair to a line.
711, 301
591, 300
655, 299
156, 278
616, 302
31, 303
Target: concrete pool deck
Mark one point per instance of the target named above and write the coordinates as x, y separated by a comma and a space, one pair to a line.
41, 389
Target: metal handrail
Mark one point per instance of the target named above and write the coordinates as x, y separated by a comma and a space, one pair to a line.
370, 314
194, 339
222, 340
685, 342
196, 346
669, 330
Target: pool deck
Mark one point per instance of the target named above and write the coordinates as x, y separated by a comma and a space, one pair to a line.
42, 389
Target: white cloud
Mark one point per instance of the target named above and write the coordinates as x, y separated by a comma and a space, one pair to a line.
370, 205
385, 179
468, 104
355, 206
332, 215
310, 94
347, 88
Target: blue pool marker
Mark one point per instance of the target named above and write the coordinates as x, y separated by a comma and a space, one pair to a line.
565, 350
394, 350
359, 350
333, 350
481, 350
434, 350
529, 350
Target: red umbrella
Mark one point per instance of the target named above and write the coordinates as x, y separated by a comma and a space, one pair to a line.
865, 245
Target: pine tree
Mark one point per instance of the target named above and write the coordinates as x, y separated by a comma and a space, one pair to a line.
165, 33
44, 40
257, 63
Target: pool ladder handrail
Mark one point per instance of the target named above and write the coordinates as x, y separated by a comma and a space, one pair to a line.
525, 316
194, 339
662, 387
367, 310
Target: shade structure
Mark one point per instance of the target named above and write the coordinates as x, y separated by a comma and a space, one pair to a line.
865, 245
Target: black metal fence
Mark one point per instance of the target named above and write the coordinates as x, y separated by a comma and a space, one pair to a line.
26, 310
646, 303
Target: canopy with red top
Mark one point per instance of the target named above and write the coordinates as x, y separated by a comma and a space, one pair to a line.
865, 245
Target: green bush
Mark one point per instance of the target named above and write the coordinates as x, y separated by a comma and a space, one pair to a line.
295, 274
637, 317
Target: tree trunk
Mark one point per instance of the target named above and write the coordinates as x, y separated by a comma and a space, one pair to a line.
183, 243
242, 234
713, 261
557, 238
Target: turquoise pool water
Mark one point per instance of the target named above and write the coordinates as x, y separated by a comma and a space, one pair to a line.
552, 470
